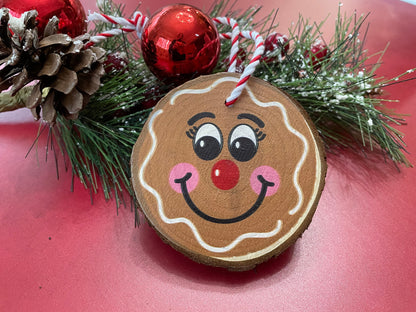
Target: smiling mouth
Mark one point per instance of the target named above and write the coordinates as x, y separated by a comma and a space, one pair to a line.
264, 185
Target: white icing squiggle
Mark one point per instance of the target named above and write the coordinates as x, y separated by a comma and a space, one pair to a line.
300, 136
185, 220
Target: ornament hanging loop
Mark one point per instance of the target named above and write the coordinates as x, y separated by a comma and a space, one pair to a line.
255, 60
234, 39
139, 20
127, 25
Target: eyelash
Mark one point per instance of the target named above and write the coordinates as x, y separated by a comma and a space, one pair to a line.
260, 134
191, 132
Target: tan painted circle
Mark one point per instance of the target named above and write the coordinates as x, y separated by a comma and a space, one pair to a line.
283, 139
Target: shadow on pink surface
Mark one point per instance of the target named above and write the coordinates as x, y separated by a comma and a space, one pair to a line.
173, 262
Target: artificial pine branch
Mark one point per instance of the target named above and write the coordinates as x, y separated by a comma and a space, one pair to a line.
100, 141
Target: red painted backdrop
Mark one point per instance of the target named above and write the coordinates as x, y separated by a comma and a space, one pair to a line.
60, 253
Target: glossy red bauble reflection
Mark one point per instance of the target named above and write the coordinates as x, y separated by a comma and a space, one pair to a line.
180, 43
71, 14
317, 54
275, 42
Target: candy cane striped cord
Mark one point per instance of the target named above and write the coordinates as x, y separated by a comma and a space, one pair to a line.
127, 25
100, 17
249, 70
234, 39
139, 20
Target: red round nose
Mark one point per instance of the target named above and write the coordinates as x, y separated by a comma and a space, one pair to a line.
225, 174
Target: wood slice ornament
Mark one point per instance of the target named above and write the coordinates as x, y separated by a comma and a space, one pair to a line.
228, 186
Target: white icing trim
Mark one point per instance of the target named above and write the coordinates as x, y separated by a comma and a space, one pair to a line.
185, 220
245, 235
309, 206
300, 136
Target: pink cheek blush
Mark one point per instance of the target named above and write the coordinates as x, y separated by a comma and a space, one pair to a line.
178, 172
270, 175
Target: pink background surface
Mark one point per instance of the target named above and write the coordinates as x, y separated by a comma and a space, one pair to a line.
60, 253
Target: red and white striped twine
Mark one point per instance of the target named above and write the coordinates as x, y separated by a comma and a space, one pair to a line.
251, 67
137, 24
234, 39
139, 21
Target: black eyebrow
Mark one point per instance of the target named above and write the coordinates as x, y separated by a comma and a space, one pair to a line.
199, 116
253, 118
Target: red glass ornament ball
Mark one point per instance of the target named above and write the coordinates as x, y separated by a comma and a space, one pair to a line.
71, 14
115, 63
276, 41
179, 43
151, 97
317, 53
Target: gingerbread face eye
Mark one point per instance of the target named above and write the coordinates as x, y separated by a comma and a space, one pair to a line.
207, 141
243, 142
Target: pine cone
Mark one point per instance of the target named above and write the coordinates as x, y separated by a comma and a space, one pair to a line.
64, 72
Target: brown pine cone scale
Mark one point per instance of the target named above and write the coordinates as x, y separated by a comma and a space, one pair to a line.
64, 72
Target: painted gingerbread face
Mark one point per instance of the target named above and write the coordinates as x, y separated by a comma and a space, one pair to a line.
228, 186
